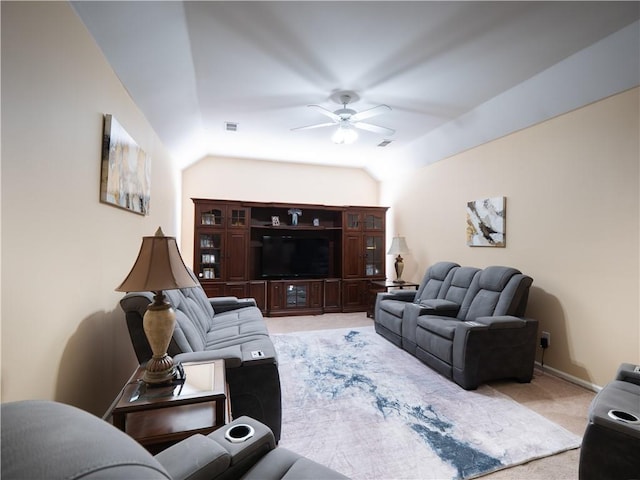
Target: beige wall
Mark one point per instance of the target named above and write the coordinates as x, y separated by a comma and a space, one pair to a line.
572, 224
260, 181
63, 252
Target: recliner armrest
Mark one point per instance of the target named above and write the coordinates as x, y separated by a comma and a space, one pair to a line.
225, 304
501, 321
195, 458
402, 295
628, 372
440, 306
245, 454
232, 356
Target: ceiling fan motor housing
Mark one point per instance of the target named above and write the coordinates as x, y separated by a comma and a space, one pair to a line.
344, 113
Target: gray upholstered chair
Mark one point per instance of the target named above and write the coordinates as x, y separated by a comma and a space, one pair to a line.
390, 306
488, 339
611, 443
43, 439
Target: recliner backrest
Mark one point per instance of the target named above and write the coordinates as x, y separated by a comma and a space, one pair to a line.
433, 280
496, 290
457, 285
193, 318
44, 439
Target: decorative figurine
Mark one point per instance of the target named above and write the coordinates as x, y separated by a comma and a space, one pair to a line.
294, 212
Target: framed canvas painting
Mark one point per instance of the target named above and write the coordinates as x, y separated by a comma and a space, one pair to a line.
126, 170
486, 222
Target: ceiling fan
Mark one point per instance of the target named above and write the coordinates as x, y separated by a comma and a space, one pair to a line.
348, 119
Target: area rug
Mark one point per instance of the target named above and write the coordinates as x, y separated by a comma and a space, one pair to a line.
359, 405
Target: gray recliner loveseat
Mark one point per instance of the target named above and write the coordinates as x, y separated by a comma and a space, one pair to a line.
44, 439
224, 327
475, 330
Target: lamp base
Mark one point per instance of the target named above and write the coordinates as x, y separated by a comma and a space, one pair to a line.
158, 323
159, 370
399, 266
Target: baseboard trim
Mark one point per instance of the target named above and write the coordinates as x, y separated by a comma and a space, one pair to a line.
569, 378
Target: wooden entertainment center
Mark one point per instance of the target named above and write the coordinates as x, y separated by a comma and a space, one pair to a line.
292, 258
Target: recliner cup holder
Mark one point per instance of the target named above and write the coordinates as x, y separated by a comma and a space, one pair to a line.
624, 416
239, 433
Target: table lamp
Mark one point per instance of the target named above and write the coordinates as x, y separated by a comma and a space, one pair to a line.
158, 267
398, 247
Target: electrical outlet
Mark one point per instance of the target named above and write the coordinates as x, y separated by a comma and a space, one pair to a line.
545, 337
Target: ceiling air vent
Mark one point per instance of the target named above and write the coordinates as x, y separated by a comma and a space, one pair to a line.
384, 143
231, 126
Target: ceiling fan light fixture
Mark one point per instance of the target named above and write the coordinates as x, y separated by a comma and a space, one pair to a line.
344, 135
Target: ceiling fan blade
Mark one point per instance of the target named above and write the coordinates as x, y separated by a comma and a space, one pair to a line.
317, 125
328, 113
372, 112
374, 128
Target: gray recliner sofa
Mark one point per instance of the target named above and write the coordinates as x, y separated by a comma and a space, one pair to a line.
224, 327
44, 439
475, 331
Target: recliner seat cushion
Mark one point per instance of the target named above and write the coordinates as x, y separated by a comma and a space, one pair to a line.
442, 326
394, 307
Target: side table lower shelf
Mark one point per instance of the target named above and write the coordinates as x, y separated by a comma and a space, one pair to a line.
158, 417
162, 426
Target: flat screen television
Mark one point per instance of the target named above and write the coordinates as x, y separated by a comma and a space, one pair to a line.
293, 257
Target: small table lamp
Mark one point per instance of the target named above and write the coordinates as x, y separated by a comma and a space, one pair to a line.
158, 267
398, 247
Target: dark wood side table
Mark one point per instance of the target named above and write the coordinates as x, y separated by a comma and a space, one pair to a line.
160, 416
376, 286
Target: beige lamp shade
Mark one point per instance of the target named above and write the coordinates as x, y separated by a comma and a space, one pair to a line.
159, 266
398, 246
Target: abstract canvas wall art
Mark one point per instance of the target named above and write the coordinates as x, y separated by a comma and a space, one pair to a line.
486, 222
126, 170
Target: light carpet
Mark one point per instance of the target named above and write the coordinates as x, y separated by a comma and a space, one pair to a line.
356, 403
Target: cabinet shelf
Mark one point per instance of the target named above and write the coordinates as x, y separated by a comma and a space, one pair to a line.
299, 227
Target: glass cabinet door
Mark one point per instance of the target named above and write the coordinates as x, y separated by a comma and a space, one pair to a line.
353, 220
238, 217
210, 255
296, 296
374, 255
213, 217
373, 221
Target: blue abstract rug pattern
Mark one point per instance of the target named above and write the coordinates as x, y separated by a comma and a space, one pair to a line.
360, 405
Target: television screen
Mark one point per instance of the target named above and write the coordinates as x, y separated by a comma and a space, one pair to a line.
292, 257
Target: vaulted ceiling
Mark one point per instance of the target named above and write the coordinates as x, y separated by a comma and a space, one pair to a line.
455, 74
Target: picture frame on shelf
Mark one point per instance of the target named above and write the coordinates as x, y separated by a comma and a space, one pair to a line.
275, 221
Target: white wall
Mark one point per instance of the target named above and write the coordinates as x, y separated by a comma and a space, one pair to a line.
64, 252
260, 181
572, 188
